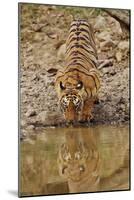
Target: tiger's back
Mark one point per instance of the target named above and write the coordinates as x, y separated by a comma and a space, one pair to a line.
78, 83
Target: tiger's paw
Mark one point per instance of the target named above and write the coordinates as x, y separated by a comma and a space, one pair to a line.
86, 118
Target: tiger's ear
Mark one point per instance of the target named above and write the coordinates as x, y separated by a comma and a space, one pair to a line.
61, 86
79, 85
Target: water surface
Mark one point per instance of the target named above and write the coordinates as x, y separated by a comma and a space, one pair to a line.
74, 160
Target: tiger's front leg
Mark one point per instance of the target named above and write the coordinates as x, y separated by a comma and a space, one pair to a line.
86, 114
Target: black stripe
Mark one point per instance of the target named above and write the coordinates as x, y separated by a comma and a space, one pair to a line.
75, 53
71, 35
86, 91
85, 57
97, 79
73, 24
88, 46
71, 77
84, 39
84, 24
76, 59
59, 77
75, 45
72, 39
77, 63
84, 30
75, 69
73, 30
86, 36
89, 60
77, 33
83, 47
79, 23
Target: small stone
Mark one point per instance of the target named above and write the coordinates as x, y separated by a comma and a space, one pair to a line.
42, 116
122, 107
23, 123
123, 45
118, 56
104, 36
112, 72
109, 98
107, 43
105, 70
31, 113
122, 100
100, 22
52, 72
61, 51
23, 134
30, 127
52, 35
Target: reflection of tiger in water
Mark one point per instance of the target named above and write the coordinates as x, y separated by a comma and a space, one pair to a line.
78, 83
79, 162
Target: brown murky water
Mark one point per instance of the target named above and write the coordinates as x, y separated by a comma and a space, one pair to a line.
73, 160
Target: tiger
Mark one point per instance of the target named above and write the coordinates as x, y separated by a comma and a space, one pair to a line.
77, 84
79, 161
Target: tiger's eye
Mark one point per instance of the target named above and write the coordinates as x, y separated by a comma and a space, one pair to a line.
61, 86
79, 85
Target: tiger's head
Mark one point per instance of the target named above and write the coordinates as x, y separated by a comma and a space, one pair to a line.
71, 97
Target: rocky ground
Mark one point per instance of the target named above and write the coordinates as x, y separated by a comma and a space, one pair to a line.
43, 31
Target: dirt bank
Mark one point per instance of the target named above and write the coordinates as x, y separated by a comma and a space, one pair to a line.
43, 31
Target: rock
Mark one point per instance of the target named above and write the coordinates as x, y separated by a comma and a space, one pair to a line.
23, 123
52, 70
37, 27
105, 70
30, 48
49, 119
112, 71
31, 113
100, 22
123, 45
104, 36
109, 98
109, 70
37, 37
42, 116
126, 117
107, 43
23, 134
52, 35
121, 100
118, 56
30, 127
61, 51
35, 77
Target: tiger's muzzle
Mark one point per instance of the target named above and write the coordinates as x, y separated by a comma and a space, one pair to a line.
70, 105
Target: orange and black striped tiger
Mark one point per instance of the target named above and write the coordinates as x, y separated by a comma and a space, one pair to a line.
78, 83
